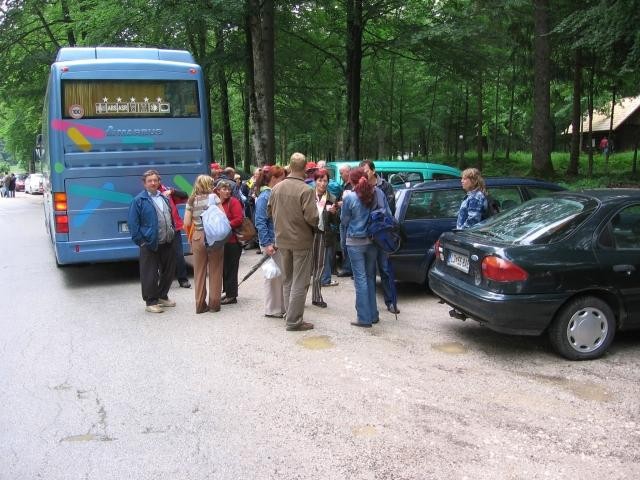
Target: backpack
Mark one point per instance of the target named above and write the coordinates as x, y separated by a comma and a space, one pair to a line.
493, 208
383, 229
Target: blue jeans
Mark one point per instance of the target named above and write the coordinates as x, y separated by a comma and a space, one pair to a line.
363, 265
387, 278
329, 255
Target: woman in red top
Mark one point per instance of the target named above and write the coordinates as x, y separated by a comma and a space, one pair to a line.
232, 249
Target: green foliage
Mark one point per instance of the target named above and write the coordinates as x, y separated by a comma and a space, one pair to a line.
421, 70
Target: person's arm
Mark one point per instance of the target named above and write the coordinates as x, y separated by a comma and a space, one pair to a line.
133, 222
309, 208
188, 213
266, 236
236, 215
390, 196
345, 212
475, 207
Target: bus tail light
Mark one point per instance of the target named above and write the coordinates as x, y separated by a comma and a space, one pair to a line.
60, 202
500, 270
62, 223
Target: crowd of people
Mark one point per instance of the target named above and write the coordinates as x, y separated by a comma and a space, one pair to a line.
7, 185
303, 218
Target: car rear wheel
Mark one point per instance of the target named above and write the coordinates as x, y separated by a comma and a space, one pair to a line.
583, 329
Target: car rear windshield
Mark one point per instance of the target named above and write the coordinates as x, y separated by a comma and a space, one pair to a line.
538, 221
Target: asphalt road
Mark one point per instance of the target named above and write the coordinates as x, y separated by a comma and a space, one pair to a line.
94, 388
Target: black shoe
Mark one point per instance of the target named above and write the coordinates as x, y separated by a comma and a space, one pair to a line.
278, 315
300, 327
228, 300
184, 283
376, 320
363, 325
393, 309
320, 304
342, 273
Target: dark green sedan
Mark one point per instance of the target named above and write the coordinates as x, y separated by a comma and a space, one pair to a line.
567, 264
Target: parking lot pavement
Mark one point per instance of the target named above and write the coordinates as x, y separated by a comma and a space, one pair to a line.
93, 387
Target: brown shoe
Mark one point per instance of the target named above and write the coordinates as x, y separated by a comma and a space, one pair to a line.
300, 327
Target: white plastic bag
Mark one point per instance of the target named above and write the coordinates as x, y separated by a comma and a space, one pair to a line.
270, 269
216, 225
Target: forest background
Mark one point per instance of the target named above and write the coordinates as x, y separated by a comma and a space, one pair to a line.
493, 84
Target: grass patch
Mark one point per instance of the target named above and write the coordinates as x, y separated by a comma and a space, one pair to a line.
617, 174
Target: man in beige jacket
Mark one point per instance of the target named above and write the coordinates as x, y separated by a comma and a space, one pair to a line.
295, 216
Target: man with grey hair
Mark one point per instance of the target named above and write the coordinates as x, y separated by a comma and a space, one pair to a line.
152, 229
295, 216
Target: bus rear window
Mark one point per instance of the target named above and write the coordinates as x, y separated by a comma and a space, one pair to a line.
130, 99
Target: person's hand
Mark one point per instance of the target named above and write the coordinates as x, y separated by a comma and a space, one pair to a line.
269, 250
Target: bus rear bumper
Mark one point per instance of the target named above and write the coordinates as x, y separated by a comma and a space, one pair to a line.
98, 251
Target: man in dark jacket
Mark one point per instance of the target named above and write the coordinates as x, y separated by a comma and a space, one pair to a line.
152, 229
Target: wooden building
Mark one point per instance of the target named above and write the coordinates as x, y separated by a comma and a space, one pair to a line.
625, 130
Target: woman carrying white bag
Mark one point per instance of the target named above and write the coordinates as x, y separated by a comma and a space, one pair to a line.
205, 220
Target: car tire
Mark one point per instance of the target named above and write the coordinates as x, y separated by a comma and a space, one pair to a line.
583, 329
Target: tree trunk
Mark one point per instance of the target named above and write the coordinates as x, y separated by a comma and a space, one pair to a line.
576, 115
71, 38
480, 120
463, 145
261, 26
431, 110
246, 129
634, 170
610, 134
541, 140
392, 143
494, 142
227, 136
197, 38
590, 108
353, 72
512, 88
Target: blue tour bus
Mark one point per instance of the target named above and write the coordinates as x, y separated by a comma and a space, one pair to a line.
109, 115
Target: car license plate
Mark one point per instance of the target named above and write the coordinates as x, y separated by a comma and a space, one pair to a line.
123, 227
458, 261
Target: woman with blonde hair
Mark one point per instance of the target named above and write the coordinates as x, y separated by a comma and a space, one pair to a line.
206, 261
474, 205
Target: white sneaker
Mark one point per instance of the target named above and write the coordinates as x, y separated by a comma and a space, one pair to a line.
154, 309
166, 303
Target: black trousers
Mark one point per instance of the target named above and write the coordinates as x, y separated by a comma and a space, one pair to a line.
232, 252
157, 270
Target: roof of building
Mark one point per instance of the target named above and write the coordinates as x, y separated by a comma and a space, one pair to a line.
601, 121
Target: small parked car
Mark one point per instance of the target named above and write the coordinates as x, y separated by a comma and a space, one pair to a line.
430, 208
567, 265
400, 173
20, 178
34, 183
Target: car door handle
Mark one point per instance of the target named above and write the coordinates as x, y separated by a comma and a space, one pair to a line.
628, 269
